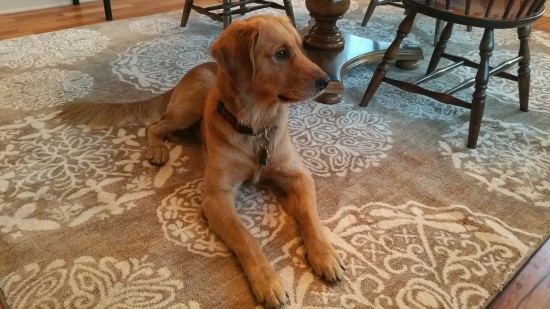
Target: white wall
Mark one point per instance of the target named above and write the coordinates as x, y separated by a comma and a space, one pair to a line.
13, 6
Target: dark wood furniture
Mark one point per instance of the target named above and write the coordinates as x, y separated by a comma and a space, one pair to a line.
397, 3
336, 52
106, 7
228, 8
374, 3
490, 14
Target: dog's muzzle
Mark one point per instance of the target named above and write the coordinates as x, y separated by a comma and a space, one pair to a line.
322, 83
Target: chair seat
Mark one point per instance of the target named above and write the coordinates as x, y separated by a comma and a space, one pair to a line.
223, 12
502, 15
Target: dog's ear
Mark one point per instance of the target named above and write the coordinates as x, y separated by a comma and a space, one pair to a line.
234, 51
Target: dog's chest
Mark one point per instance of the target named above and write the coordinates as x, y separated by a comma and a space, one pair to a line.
260, 156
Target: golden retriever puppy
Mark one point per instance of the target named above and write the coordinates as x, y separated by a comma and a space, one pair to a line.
241, 101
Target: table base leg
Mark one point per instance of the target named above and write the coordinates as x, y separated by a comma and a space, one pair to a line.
356, 51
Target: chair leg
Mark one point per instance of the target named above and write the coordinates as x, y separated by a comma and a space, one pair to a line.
243, 7
440, 47
107, 8
437, 30
524, 72
391, 53
289, 11
226, 14
186, 11
482, 78
370, 10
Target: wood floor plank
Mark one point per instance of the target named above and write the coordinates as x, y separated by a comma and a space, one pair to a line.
530, 287
51, 19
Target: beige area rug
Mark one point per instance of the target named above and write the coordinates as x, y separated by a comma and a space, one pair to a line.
420, 220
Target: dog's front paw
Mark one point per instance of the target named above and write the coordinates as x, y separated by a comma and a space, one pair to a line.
268, 288
325, 261
158, 155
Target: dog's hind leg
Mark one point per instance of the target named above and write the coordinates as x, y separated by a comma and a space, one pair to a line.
185, 108
157, 152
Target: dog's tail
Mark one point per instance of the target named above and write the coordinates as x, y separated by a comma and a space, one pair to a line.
100, 115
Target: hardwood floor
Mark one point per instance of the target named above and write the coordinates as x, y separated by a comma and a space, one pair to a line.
39, 21
528, 290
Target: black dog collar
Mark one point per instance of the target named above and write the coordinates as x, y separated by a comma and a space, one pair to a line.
263, 153
241, 128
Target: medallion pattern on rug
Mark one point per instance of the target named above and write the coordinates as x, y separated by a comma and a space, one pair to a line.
541, 37
507, 92
336, 141
45, 88
52, 48
406, 103
511, 159
155, 26
119, 283
63, 164
184, 225
462, 36
158, 65
434, 257
376, 30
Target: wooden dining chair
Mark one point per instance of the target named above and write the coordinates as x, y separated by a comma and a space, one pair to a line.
374, 3
223, 12
397, 3
489, 15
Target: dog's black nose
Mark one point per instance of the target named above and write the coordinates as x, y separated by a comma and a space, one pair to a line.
322, 83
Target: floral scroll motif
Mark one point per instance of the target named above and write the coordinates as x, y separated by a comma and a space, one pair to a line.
62, 165
409, 256
511, 159
91, 283
184, 225
336, 142
44, 88
51, 48
155, 26
158, 65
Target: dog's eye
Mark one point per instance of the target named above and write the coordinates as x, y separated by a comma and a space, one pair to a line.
282, 54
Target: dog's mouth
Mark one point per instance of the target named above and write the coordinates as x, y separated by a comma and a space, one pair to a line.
287, 99
284, 98
297, 95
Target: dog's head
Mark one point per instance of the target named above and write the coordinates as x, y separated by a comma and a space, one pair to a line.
263, 55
